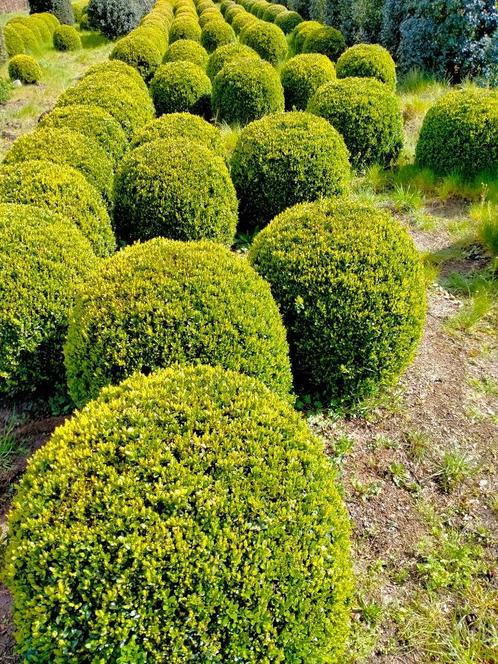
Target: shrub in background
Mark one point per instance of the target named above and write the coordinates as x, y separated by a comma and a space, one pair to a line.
285, 159
272, 11
30, 41
242, 21
43, 257
210, 498
301, 32
267, 40
287, 21
225, 54
181, 86
138, 52
61, 9
66, 38
215, 34
115, 18
368, 60
301, 77
63, 190
185, 28
325, 40
350, 285
25, 69
14, 44
186, 49
175, 188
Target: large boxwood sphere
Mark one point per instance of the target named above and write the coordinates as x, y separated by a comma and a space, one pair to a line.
66, 38
42, 258
164, 302
301, 32
460, 134
188, 516
112, 69
301, 77
245, 90
368, 60
184, 28
189, 50
242, 21
63, 190
367, 114
267, 40
181, 87
14, 44
139, 52
225, 54
326, 40
175, 188
350, 285
285, 159
287, 21
24, 68
215, 34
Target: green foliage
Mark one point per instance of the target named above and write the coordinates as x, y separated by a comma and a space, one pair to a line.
181, 125
486, 216
186, 49
42, 258
5, 90
14, 44
139, 52
368, 60
287, 21
112, 69
61, 9
63, 146
285, 159
185, 28
272, 11
25, 69
301, 77
31, 43
225, 54
246, 89
242, 21
367, 114
460, 134
175, 188
215, 34
325, 40
63, 190
114, 18
350, 285
66, 38
93, 122
165, 302
267, 40
208, 497
181, 87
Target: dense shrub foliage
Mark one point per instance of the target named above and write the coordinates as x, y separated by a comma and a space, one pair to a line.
42, 258
225, 54
63, 190
301, 77
287, 21
302, 32
267, 40
114, 18
326, 40
66, 38
368, 60
209, 498
61, 9
14, 44
285, 159
185, 28
181, 87
25, 69
460, 134
186, 49
350, 285
164, 302
245, 90
111, 70
367, 114
216, 34
139, 52
175, 188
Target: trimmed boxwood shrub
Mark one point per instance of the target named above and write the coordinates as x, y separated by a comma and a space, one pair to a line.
63, 146
245, 90
242, 21
267, 40
215, 34
154, 33
181, 125
272, 11
175, 188
184, 28
165, 302
115, 18
63, 190
368, 60
42, 258
110, 69
31, 43
368, 115
460, 134
287, 21
42, 27
326, 40
25, 69
93, 122
301, 32
350, 286
226, 54
301, 77
188, 50
285, 159
14, 44
206, 496
51, 21
138, 52
66, 38
181, 86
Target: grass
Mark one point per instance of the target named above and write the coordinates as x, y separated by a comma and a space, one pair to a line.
10, 449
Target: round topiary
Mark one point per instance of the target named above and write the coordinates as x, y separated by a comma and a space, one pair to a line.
188, 50
226, 54
184, 28
155, 34
66, 38
112, 69
285, 159
267, 40
326, 40
208, 16
242, 21
301, 77
460, 134
138, 52
14, 44
31, 25
245, 90
63, 190
24, 68
29, 39
216, 34
165, 302
51, 21
43, 256
350, 286
181, 86
93, 122
63, 146
368, 60
367, 114
42, 27
287, 21
206, 496
175, 188
181, 125
272, 11
301, 32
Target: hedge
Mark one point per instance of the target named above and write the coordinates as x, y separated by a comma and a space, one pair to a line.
368, 60
267, 40
301, 77
181, 87
25, 69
